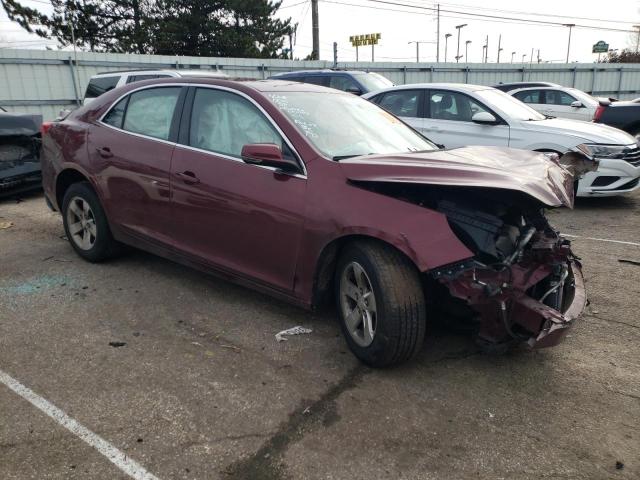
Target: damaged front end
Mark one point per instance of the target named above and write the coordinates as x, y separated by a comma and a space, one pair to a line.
524, 283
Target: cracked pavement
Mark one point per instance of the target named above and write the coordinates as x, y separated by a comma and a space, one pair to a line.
202, 390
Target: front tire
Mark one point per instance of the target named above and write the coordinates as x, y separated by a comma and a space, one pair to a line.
85, 224
381, 304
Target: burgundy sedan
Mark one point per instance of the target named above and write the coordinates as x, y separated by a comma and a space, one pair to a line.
305, 192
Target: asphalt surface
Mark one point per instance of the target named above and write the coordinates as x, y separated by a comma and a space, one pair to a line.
202, 390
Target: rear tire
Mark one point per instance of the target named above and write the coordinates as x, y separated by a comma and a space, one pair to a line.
86, 225
381, 304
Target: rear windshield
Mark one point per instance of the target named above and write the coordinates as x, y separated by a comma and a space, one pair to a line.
99, 85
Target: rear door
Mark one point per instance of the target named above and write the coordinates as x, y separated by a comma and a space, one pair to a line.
131, 149
345, 83
406, 104
533, 98
243, 218
448, 121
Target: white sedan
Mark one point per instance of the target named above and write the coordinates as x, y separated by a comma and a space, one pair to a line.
560, 102
457, 115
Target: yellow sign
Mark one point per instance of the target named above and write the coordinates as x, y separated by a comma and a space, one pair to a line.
367, 39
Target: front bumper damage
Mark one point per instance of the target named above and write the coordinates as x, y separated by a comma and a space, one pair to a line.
534, 299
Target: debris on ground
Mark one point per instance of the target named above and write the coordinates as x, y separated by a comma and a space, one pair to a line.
280, 336
619, 465
117, 344
4, 225
632, 262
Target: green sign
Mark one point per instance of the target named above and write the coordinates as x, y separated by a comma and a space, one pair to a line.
600, 47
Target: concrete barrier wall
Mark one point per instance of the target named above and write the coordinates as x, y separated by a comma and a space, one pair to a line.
41, 81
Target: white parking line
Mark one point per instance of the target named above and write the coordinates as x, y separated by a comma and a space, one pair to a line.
601, 239
115, 456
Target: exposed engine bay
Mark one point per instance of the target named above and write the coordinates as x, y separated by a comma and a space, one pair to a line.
523, 284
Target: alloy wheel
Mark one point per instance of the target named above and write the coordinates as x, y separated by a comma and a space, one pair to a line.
358, 304
81, 223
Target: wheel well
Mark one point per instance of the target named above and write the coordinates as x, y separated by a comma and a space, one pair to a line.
326, 265
65, 179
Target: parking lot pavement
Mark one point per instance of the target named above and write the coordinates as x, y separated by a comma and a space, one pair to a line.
201, 389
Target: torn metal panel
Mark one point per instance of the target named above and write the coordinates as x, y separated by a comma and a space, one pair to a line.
19, 153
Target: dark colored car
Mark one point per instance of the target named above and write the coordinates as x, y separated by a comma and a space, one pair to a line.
624, 115
353, 81
303, 192
507, 87
19, 152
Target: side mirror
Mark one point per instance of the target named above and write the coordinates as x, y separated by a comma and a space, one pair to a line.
268, 155
483, 117
354, 90
577, 104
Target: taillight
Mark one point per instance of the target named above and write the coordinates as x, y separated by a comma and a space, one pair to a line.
598, 113
44, 128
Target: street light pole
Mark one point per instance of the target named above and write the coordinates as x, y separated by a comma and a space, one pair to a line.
524, 55
418, 42
446, 44
637, 37
512, 55
499, 47
466, 50
459, 27
570, 25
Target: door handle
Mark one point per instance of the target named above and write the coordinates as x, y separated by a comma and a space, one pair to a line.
104, 152
188, 177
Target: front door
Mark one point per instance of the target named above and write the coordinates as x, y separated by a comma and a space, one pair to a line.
131, 151
449, 121
239, 217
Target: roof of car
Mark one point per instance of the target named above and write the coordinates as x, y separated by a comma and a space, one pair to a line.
181, 73
316, 72
459, 87
513, 84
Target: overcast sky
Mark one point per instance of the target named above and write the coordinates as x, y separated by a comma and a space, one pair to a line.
400, 24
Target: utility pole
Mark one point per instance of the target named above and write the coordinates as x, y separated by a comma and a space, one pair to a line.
459, 27
538, 55
335, 54
512, 55
446, 43
438, 41
418, 42
570, 25
315, 54
486, 50
499, 48
373, 57
524, 55
466, 50
637, 34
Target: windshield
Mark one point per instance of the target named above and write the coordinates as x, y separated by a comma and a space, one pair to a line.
508, 105
343, 125
373, 81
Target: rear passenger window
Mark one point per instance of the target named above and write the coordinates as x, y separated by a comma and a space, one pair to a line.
343, 83
224, 122
99, 85
532, 96
116, 115
317, 80
403, 103
150, 111
139, 78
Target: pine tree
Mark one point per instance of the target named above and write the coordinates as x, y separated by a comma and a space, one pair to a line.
238, 28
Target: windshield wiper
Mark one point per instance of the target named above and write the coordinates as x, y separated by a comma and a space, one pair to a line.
337, 158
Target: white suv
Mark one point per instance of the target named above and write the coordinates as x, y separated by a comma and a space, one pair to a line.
103, 82
457, 115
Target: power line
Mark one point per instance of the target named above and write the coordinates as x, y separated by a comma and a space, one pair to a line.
481, 15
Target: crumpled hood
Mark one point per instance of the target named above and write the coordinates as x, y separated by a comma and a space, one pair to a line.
589, 131
494, 167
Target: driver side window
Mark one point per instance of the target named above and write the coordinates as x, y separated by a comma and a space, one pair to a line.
223, 122
446, 105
